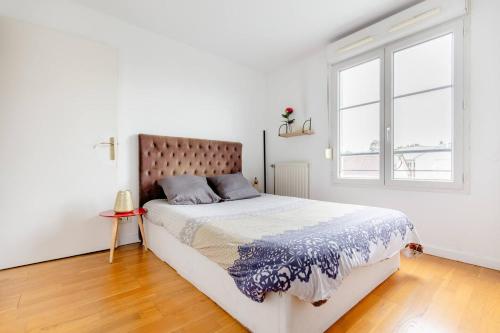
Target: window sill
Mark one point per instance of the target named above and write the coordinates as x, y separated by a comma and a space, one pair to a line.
451, 188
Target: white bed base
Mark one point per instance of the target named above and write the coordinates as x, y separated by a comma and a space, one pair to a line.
278, 313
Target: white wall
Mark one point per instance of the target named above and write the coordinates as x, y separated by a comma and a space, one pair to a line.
462, 226
165, 87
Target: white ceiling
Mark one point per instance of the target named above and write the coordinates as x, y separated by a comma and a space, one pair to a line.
261, 34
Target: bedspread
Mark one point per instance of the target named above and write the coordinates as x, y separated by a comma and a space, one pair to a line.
282, 244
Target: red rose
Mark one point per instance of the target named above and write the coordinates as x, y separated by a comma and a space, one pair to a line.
289, 110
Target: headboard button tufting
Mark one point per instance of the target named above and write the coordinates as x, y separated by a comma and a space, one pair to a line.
177, 156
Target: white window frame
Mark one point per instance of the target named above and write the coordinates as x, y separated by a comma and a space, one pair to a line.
386, 53
359, 60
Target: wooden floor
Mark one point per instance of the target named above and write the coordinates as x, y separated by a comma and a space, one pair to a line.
139, 293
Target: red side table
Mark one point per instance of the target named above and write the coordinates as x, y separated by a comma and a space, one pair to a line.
116, 220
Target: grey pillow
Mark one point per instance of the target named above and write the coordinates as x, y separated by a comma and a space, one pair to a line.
233, 187
188, 190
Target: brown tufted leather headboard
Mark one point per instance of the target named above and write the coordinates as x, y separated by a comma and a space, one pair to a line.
161, 156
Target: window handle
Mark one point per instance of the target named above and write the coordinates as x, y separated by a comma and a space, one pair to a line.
388, 134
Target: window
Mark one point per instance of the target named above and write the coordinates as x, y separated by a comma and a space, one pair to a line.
359, 120
422, 111
398, 112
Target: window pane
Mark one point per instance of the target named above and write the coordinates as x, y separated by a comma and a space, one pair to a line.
423, 136
424, 66
360, 84
359, 142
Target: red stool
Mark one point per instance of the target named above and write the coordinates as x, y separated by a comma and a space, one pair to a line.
116, 219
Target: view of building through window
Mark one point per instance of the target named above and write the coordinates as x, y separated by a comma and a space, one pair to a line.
423, 104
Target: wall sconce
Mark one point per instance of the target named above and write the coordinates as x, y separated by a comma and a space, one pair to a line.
112, 146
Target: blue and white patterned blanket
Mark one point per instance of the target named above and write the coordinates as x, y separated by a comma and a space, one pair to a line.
280, 244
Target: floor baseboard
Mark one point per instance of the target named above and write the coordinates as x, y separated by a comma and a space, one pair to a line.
488, 262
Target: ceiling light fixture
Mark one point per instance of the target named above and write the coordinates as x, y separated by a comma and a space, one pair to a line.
415, 19
354, 45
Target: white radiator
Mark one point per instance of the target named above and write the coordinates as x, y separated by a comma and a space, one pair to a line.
291, 179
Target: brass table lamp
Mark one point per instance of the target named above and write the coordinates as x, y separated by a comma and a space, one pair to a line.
123, 202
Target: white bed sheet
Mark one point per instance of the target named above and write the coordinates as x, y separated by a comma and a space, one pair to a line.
173, 217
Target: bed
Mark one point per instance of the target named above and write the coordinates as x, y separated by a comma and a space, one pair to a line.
235, 251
